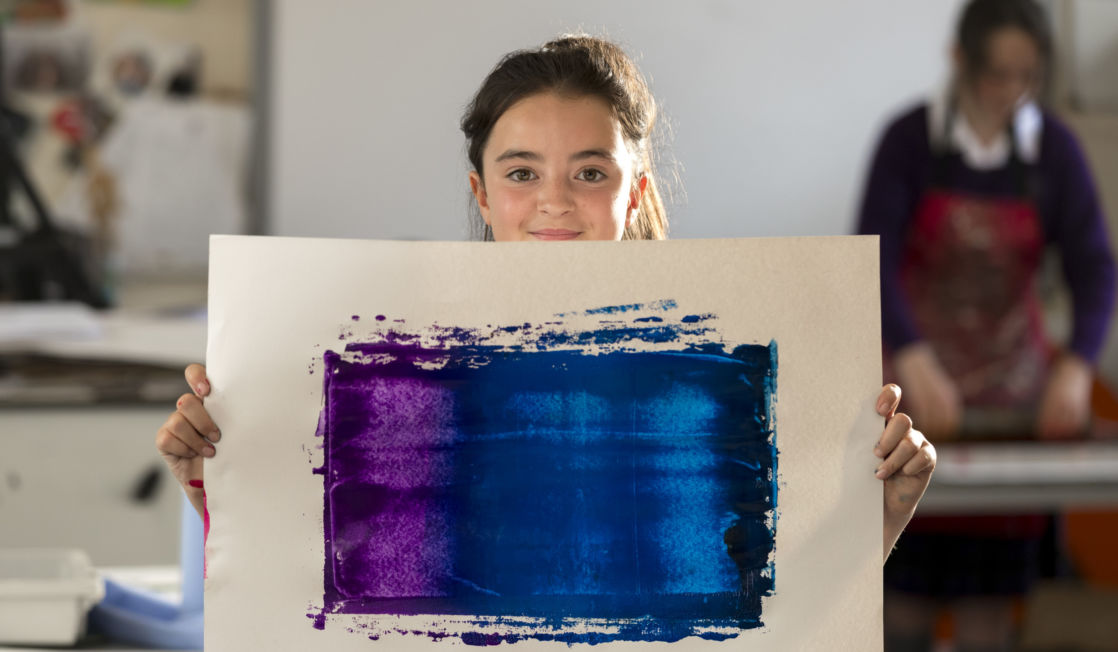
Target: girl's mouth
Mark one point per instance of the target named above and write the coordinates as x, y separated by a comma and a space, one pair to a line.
554, 234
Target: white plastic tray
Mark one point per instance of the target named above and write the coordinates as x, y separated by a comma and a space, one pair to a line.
45, 595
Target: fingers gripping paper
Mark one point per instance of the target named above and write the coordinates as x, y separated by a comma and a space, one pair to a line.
426, 445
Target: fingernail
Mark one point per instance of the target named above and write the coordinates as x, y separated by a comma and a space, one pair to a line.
214, 436
877, 451
879, 474
209, 451
202, 388
881, 405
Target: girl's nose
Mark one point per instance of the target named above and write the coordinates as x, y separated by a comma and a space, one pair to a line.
555, 197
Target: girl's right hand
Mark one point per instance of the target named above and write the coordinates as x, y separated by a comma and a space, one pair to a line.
934, 400
188, 436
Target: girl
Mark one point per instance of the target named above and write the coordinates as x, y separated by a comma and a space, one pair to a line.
559, 143
966, 191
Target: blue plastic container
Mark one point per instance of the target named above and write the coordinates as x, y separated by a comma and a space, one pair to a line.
139, 617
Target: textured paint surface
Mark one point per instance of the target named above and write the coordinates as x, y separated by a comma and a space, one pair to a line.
544, 482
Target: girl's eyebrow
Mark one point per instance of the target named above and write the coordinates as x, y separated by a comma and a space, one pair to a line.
534, 156
593, 153
519, 153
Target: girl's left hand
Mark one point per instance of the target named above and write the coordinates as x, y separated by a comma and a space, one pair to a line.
1066, 404
907, 462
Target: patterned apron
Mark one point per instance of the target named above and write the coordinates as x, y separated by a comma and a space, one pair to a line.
969, 271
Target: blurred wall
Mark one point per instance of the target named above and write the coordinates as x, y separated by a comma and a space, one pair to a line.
773, 107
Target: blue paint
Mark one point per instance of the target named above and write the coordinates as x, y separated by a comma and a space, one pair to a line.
613, 310
661, 305
568, 476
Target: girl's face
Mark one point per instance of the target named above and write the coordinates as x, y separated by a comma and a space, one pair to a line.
557, 168
1011, 76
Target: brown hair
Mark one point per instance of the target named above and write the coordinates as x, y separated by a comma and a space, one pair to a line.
575, 66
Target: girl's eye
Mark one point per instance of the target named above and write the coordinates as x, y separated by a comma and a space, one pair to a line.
591, 174
521, 174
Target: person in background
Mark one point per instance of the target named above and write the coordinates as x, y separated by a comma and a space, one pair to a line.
967, 191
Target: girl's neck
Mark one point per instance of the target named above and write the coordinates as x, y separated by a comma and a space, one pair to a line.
985, 126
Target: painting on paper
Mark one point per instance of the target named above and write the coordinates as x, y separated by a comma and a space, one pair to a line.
613, 480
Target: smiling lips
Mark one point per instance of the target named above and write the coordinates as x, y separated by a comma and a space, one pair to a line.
555, 234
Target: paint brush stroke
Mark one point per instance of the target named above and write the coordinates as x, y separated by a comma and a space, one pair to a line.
547, 482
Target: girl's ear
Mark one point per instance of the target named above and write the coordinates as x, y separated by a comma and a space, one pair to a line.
478, 188
635, 196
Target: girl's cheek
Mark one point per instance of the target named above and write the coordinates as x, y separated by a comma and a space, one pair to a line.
620, 204
510, 208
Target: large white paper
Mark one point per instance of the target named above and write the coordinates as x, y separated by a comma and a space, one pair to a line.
281, 577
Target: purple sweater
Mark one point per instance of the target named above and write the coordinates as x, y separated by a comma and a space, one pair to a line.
1066, 199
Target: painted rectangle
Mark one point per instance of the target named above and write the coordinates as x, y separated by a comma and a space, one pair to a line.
627, 477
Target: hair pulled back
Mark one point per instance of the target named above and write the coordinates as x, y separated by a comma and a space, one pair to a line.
575, 66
